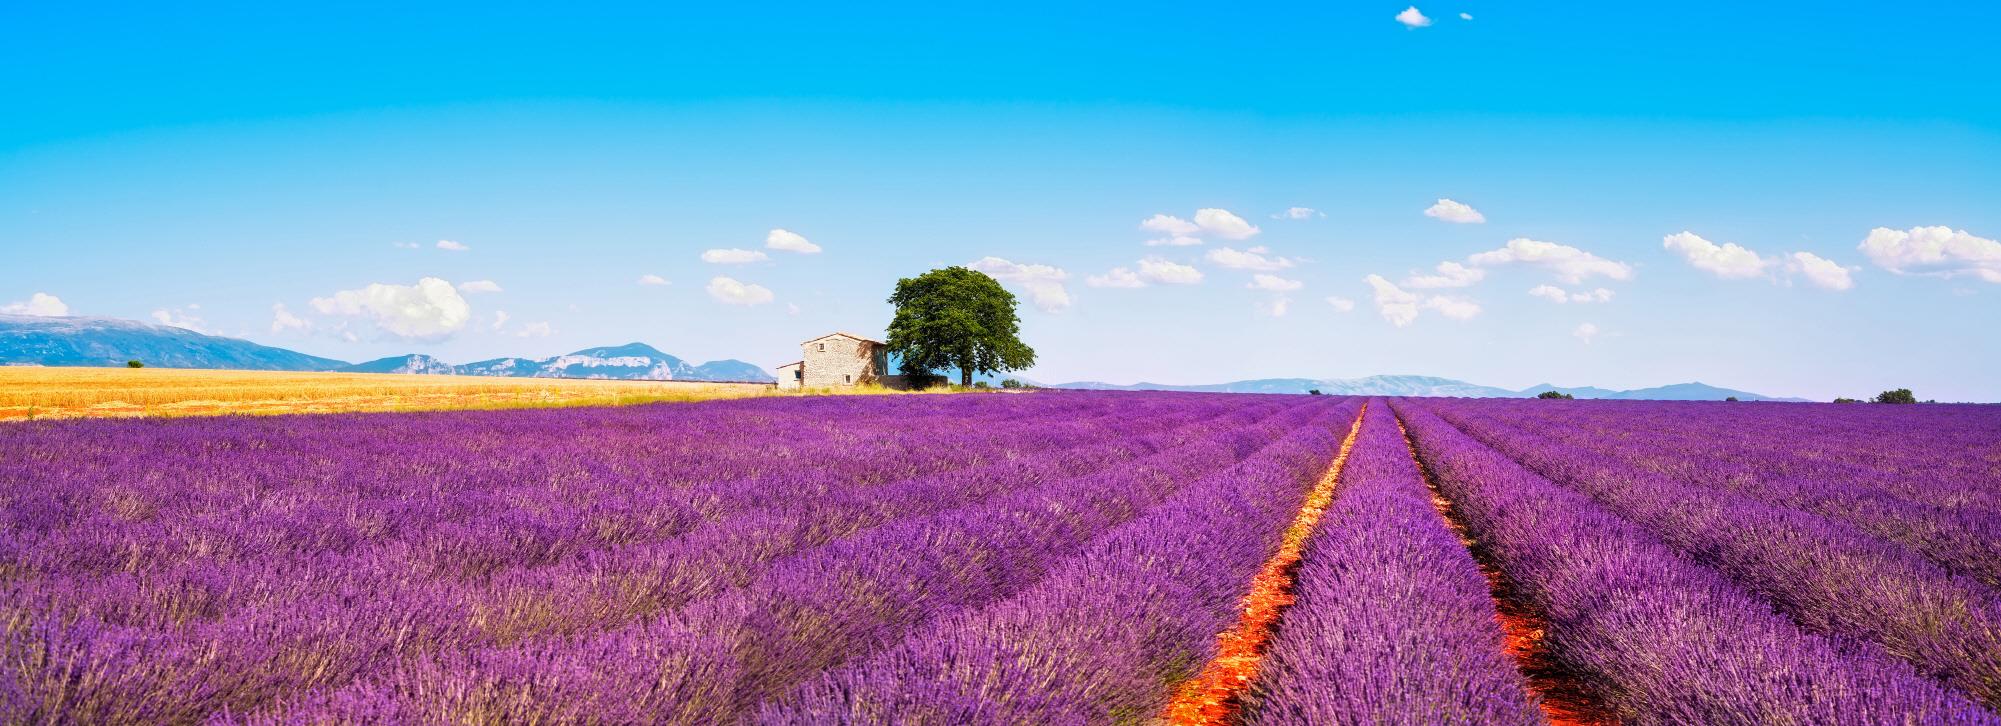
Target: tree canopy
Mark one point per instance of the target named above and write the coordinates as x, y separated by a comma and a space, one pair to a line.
956, 318
1901, 395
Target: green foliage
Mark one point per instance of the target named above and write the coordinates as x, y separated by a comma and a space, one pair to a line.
1012, 383
956, 318
1845, 399
1729, 398
1554, 395
1312, 391
134, 364
1901, 395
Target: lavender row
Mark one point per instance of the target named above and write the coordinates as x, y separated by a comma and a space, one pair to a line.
1393, 621
802, 615
1826, 575
230, 563
1109, 633
1965, 541
1661, 638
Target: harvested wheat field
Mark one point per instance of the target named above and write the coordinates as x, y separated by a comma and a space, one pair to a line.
47, 393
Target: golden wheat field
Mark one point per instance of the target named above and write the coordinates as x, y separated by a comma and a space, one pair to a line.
44, 393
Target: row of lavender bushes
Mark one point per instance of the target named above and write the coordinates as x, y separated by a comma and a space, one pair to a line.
1107, 635
1393, 621
1826, 574
1660, 637
173, 571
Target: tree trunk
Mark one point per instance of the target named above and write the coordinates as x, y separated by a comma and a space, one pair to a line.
966, 377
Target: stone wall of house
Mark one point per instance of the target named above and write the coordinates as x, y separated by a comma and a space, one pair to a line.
838, 360
788, 377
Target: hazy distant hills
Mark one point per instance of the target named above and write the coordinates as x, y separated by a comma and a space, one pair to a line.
1434, 386
82, 341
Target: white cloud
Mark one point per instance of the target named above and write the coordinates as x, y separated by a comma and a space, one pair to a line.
1276, 307
728, 290
282, 320
1729, 260
535, 330
780, 239
479, 286
1043, 283
450, 246
1450, 274
1454, 212
1585, 332
500, 318
1169, 225
1175, 241
1556, 294
1116, 277
1221, 223
1940, 251
1569, 264
430, 309
1251, 259
1822, 272
1401, 307
792, 308
180, 319
1411, 18
1299, 213
1168, 273
407, 245
1341, 304
1273, 283
733, 256
39, 304
652, 280
1465, 16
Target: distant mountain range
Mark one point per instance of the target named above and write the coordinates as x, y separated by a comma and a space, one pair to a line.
1434, 386
84, 341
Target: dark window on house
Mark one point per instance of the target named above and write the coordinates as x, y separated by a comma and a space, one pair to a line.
847, 379
823, 346
799, 373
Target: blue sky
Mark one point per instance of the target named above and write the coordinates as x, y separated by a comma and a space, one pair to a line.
205, 167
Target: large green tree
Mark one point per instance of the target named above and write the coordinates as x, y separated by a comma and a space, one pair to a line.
956, 318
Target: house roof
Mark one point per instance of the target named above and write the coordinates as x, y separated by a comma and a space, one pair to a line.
846, 334
793, 363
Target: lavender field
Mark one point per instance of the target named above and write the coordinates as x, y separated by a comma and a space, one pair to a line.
1055, 557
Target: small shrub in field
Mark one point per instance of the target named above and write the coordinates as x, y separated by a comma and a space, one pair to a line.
1555, 395
1901, 395
134, 364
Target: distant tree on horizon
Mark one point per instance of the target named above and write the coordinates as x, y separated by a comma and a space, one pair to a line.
134, 364
1845, 399
1900, 395
1555, 395
960, 318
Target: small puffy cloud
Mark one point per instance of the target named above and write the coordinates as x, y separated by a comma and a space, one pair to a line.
1940, 251
652, 280
1117, 277
729, 291
181, 318
1465, 16
1822, 272
535, 330
475, 286
1729, 260
500, 318
1043, 283
780, 239
1569, 264
1169, 225
1174, 241
1450, 274
733, 256
1275, 307
1254, 258
1411, 18
1299, 213
407, 245
1401, 307
40, 304
1341, 304
428, 310
1454, 212
450, 246
1556, 294
1221, 223
1168, 273
283, 320
1273, 283
1585, 332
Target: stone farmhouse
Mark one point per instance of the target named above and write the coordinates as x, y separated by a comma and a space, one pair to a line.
837, 359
